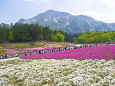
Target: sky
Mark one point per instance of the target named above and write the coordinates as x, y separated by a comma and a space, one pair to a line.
13, 10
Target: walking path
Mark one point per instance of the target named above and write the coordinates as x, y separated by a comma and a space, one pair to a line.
51, 49
9, 59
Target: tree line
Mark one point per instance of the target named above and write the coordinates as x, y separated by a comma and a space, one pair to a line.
95, 37
32, 32
35, 32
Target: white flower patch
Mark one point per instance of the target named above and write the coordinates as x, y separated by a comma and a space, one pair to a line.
50, 72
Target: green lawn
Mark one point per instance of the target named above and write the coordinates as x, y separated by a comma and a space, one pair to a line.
2, 52
28, 45
60, 43
40, 44
21, 46
3, 45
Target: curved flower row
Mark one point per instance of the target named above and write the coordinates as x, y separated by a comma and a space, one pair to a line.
10, 51
98, 52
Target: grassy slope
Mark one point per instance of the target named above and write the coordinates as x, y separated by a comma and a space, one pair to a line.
2, 52
40, 44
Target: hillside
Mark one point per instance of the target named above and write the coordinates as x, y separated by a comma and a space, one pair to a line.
69, 23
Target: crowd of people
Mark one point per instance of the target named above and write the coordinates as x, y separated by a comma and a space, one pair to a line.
72, 46
7, 56
4, 56
45, 51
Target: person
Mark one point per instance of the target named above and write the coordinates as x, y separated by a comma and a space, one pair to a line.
30, 53
16, 55
25, 54
42, 51
64, 48
80, 46
68, 47
0, 56
6, 56
39, 52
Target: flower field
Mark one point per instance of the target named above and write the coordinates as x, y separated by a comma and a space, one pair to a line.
98, 52
51, 72
89, 66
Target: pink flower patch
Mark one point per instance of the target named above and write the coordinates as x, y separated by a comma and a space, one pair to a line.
97, 52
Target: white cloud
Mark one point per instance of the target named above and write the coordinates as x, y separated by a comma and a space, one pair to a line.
108, 2
42, 1
99, 16
45, 1
29, 0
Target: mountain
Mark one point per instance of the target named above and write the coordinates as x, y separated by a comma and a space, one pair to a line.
68, 22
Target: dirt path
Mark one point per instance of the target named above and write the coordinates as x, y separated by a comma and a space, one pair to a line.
9, 59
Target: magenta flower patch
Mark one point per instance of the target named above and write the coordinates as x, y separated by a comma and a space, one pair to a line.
98, 52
